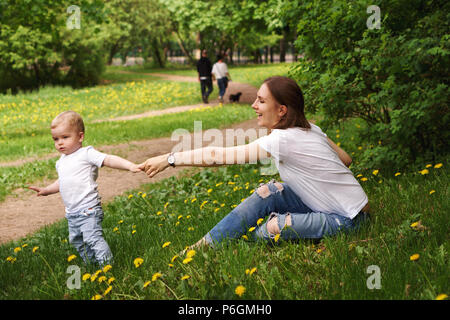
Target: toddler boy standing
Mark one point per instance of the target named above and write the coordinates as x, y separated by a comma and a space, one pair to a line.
77, 174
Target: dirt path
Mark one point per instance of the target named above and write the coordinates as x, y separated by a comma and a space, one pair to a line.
24, 213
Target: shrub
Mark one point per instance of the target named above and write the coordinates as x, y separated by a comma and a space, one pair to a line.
395, 77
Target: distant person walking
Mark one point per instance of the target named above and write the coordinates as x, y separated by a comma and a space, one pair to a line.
204, 75
220, 72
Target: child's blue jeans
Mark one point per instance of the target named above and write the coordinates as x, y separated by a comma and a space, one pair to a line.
277, 202
86, 235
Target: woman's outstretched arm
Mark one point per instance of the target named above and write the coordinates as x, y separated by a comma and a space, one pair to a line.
207, 157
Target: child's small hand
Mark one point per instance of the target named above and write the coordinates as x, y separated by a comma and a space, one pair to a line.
40, 191
134, 168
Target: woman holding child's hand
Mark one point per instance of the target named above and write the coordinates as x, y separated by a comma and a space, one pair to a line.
319, 195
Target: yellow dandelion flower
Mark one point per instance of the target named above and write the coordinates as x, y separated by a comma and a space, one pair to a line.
414, 257
17, 249
437, 166
428, 165
210, 190
166, 244
86, 276
115, 229
244, 237
130, 196
397, 174
190, 253
101, 279
133, 232
156, 276
251, 229
250, 271
11, 259
193, 200
159, 213
165, 206
424, 172
173, 258
219, 184
97, 297
277, 237
185, 277
71, 257
144, 195
432, 191
35, 249
375, 172
363, 179
240, 290
24, 245
146, 284
414, 224
216, 209
112, 279
260, 220
359, 175
138, 262
120, 221
187, 260
442, 296
107, 290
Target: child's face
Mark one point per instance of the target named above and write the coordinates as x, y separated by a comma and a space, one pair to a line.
67, 139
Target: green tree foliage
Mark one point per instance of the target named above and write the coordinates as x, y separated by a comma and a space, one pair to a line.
144, 24
35, 44
221, 25
395, 77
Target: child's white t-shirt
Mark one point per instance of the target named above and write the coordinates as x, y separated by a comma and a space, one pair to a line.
220, 70
313, 170
77, 175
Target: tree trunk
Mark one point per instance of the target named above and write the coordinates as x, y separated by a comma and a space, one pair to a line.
283, 44
266, 54
157, 54
186, 53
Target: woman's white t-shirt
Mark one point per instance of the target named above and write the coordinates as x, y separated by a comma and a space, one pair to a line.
77, 175
312, 169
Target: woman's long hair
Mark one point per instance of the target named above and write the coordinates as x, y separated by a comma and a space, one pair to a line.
287, 92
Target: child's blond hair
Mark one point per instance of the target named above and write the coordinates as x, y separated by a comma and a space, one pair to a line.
70, 117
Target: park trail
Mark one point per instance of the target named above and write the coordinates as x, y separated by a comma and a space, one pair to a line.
23, 213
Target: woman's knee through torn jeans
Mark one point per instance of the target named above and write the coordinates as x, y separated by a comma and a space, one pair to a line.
278, 201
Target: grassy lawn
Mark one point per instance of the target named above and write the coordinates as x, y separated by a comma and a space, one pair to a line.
25, 116
252, 74
157, 221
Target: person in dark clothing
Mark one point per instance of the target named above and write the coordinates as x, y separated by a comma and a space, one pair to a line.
204, 68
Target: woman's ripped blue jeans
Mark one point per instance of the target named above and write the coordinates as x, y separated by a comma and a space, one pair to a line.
294, 219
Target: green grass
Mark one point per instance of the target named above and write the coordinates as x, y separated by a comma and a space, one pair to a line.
252, 74
26, 115
181, 211
109, 133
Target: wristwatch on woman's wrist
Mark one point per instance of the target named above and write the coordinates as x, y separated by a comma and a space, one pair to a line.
171, 159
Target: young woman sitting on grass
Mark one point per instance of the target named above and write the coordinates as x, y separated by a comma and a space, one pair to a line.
319, 195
